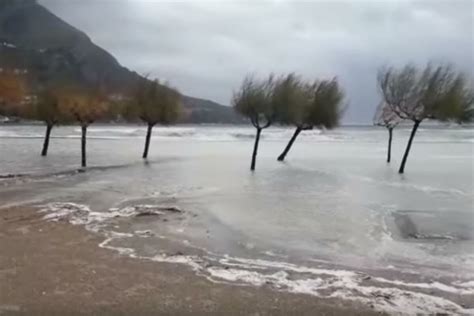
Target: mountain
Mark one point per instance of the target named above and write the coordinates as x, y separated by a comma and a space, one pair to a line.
31, 37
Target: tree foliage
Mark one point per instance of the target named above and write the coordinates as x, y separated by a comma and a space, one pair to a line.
327, 106
291, 100
435, 92
384, 116
46, 107
308, 104
154, 103
255, 101
84, 105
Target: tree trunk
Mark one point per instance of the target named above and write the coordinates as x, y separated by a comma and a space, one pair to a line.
255, 149
147, 141
407, 151
83, 146
44, 152
389, 151
290, 143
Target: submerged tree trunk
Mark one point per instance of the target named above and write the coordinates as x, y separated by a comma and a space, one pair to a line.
290, 143
407, 151
147, 141
255, 148
83, 146
49, 127
389, 151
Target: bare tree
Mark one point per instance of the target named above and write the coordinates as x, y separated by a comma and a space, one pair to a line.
153, 103
384, 116
254, 100
435, 93
307, 105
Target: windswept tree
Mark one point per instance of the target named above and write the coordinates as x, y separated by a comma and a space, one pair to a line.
154, 103
436, 93
85, 106
46, 108
254, 100
307, 105
384, 116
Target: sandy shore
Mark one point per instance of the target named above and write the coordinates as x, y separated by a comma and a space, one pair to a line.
57, 269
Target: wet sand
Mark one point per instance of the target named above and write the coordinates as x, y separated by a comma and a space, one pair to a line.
54, 268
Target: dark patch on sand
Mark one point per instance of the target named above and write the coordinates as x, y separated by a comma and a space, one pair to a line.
432, 226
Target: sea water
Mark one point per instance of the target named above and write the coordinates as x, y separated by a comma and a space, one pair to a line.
333, 205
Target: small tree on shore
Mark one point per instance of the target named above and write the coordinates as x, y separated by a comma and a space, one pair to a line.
436, 93
84, 106
384, 116
254, 100
153, 103
307, 105
46, 108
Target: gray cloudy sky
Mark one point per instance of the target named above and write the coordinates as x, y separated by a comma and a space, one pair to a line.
206, 47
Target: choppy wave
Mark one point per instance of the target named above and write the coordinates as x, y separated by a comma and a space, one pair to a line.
385, 295
105, 130
16, 134
236, 133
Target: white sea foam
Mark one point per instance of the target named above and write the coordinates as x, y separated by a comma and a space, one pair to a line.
186, 191
432, 285
405, 298
143, 233
468, 284
112, 130
78, 214
14, 134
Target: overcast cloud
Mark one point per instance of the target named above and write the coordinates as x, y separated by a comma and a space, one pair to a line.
205, 48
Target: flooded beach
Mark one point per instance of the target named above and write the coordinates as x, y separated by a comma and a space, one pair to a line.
333, 221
